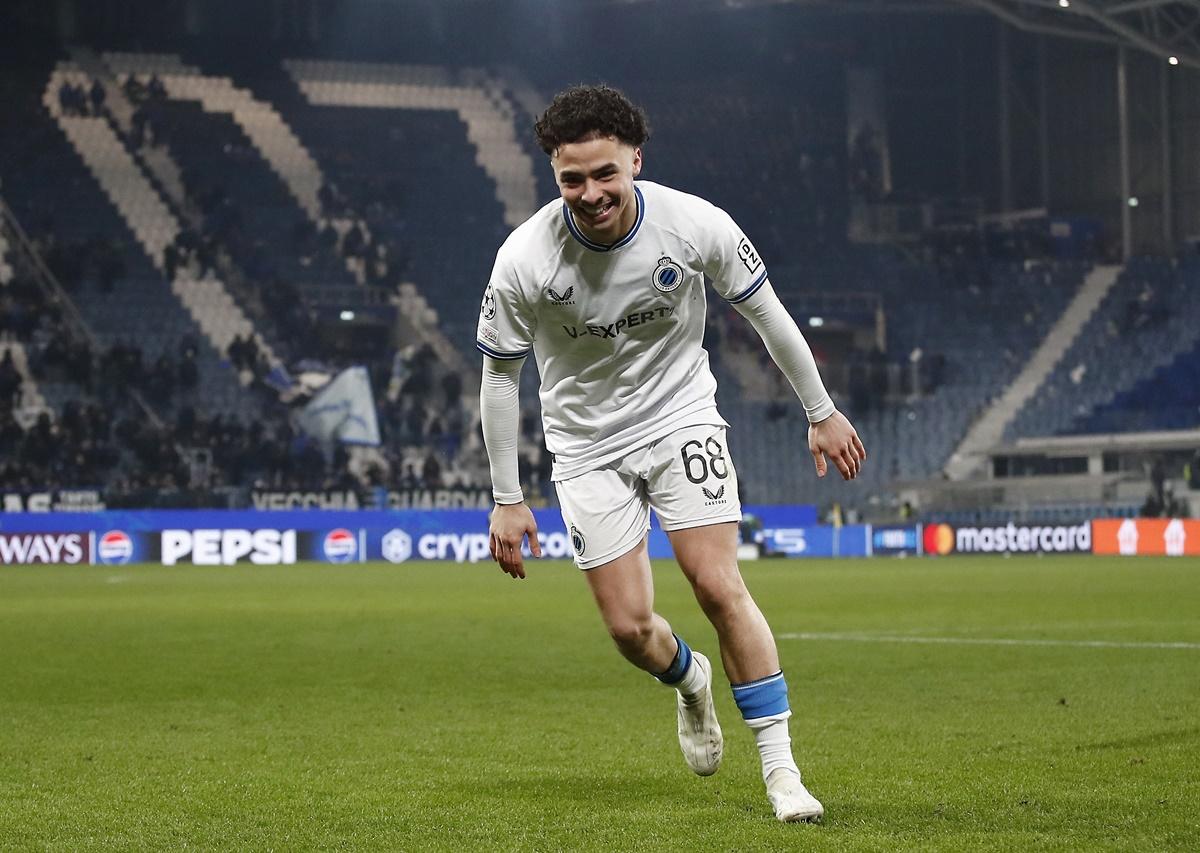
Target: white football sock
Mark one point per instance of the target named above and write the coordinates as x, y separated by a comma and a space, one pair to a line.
691, 686
774, 743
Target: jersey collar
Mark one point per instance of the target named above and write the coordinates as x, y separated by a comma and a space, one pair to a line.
600, 247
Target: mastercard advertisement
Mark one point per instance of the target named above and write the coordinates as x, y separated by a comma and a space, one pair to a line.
1011, 538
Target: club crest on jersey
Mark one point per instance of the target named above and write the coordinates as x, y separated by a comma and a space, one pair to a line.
668, 275
563, 298
488, 308
577, 540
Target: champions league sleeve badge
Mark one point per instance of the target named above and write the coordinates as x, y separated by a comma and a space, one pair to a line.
668, 275
488, 308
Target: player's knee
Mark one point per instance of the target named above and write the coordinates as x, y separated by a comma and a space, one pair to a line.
721, 594
631, 634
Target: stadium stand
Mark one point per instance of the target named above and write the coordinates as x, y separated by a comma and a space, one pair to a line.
434, 165
94, 253
1147, 323
276, 199
115, 275
982, 319
1168, 399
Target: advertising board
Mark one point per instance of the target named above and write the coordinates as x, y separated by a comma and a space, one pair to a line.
1011, 538
1170, 537
228, 537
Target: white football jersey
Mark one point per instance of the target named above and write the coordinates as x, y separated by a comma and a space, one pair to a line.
617, 330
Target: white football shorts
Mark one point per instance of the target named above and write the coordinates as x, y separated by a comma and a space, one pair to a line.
687, 477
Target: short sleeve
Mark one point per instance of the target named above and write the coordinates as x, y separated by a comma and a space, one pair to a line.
506, 324
730, 259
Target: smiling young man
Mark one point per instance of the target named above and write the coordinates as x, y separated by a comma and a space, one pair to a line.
606, 287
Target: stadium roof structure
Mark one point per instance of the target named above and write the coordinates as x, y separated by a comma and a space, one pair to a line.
1164, 28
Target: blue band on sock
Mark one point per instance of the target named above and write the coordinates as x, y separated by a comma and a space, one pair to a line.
683, 659
764, 697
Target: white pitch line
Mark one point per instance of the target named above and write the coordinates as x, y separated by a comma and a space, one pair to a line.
985, 641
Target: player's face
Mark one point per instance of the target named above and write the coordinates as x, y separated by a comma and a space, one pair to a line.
595, 177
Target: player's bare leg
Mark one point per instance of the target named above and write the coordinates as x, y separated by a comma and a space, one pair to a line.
624, 592
708, 557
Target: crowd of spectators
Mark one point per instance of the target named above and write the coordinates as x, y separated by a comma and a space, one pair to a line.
77, 99
99, 259
76, 448
423, 420
354, 237
144, 130
102, 439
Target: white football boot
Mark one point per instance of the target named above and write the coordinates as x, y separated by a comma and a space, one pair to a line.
791, 799
699, 732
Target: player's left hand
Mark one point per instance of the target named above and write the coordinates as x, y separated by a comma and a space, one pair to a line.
835, 437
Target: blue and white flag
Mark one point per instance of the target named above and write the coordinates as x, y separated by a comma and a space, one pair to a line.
344, 410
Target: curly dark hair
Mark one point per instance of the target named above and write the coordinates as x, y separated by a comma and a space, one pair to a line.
584, 111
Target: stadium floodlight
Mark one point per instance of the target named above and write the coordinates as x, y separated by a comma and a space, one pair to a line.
347, 315
1133, 201
1173, 60
1066, 4
816, 322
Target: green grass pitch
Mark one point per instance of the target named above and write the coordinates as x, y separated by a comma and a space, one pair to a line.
434, 706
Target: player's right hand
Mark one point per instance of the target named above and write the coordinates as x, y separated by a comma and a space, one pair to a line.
510, 524
835, 437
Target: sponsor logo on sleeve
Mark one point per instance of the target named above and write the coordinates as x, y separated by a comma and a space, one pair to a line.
489, 333
749, 256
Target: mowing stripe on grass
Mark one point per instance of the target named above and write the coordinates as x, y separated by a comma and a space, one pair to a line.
985, 641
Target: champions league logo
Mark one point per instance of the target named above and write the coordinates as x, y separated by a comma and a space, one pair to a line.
396, 546
668, 275
488, 309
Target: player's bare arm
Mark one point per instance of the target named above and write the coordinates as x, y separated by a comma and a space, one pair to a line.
836, 438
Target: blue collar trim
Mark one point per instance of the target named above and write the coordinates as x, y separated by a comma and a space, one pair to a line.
600, 247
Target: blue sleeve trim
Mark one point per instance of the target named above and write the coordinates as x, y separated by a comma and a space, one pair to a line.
500, 354
751, 290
